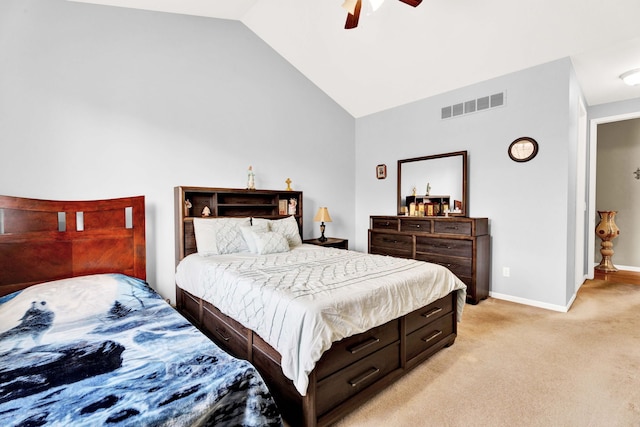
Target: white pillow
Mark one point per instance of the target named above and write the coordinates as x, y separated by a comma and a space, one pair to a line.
249, 234
205, 231
262, 222
288, 227
271, 243
220, 235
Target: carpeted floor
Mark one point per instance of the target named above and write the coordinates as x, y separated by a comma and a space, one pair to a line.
516, 365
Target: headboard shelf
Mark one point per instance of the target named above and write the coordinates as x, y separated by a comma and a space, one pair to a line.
229, 202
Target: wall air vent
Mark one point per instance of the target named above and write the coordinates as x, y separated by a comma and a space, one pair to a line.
472, 106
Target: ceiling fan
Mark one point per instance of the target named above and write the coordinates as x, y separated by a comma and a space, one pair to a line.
354, 7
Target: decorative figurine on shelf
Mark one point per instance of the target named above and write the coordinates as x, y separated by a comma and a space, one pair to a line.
206, 211
187, 206
251, 179
415, 192
428, 189
288, 181
293, 203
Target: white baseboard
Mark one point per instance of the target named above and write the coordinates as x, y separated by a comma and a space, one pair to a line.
533, 303
554, 307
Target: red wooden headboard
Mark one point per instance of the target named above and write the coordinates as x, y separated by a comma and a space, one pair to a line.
42, 240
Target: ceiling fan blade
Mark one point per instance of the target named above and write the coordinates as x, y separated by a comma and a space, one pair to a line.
352, 19
413, 3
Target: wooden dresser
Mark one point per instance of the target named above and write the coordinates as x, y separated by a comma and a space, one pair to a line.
459, 243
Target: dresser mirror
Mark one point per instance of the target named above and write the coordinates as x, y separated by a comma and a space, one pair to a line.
433, 185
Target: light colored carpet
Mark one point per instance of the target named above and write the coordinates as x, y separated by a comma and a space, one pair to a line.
515, 365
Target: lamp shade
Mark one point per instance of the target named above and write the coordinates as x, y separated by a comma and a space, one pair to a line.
322, 215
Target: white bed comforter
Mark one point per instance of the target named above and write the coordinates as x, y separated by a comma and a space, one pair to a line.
303, 300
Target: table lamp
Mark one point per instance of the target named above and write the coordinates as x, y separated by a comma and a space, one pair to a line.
322, 216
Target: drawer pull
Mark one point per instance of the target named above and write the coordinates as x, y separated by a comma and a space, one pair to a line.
432, 312
432, 336
372, 371
359, 347
386, 224
449, 227
222, 335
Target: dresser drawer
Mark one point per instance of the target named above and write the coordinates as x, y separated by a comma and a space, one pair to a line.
384, 223
391, 244
463, 228
345, 383
415, 226
428, 314
351, 349
458, 266
429, 335
233, 339
447, 247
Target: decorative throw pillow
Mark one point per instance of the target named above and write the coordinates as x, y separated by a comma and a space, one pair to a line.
229, 238
220, 235
288, 227
249, 234
261, 222
271, 243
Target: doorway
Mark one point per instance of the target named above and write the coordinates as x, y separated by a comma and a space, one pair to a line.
593, 145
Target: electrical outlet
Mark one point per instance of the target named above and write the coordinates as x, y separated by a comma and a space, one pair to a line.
505, 271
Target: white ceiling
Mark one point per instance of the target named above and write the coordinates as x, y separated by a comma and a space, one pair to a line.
401, 54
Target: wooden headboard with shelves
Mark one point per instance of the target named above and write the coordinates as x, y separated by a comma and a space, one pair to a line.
227, 202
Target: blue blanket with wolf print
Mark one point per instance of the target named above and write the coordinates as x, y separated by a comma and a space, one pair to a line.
108, 350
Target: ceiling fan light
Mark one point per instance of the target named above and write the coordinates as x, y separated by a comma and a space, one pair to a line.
632, 77
375, 4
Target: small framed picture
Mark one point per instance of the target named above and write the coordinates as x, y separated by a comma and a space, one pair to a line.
381, 171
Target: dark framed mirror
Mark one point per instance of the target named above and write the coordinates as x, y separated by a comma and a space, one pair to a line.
433, 185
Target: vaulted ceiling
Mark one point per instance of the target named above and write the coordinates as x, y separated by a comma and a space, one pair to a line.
399, 54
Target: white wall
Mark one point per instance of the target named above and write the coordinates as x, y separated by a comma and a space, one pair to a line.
527, 203
101, 102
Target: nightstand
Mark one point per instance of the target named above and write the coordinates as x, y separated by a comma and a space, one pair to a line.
331, 242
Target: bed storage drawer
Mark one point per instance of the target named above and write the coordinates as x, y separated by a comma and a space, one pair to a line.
420, 341
428, 314
231, 337
351, 349
350, 380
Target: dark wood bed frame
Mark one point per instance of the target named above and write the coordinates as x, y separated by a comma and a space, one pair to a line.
43, 240
349, 373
